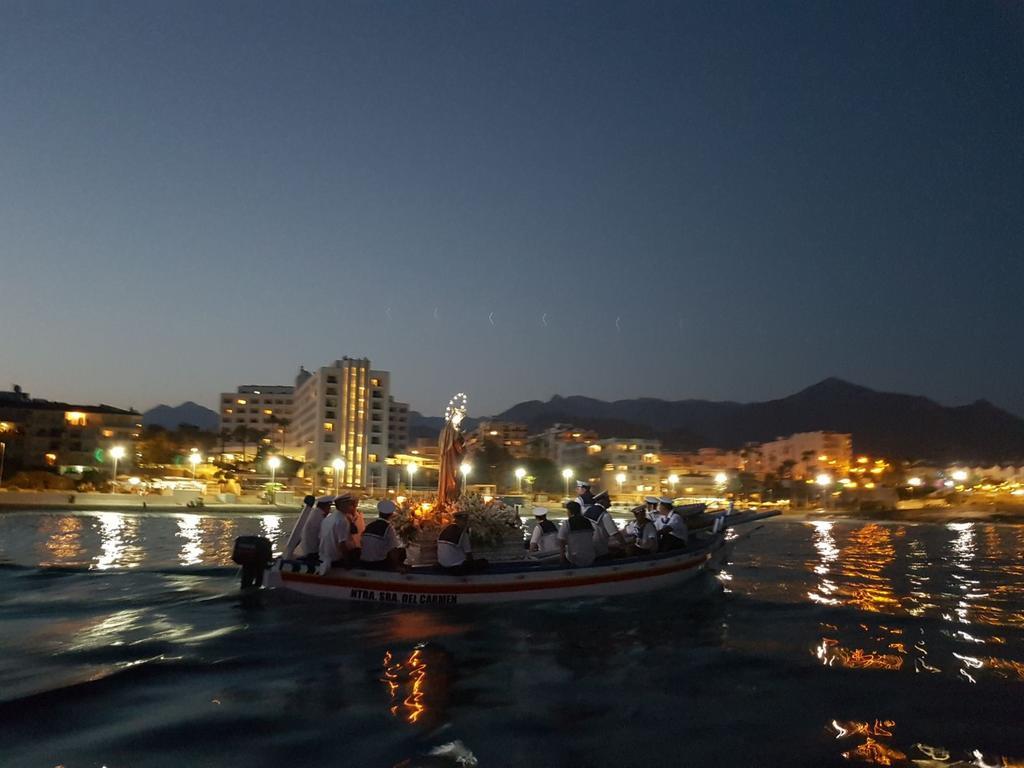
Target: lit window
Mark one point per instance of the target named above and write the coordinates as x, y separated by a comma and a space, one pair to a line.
5, 427
328, 426
268, 412
240, 401
74, 419
51, 459
229, 410
373, 458
108, 433
374, 382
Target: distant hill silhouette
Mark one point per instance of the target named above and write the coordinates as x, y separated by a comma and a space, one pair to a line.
187, 413
894, 425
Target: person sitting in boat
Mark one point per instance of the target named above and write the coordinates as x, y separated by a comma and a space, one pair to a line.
309, 545
608, 539
644, 534
454, 550
651, 507
674, 533
576, 537
583, 495
336, 548
308, 505
381, 550
544, 539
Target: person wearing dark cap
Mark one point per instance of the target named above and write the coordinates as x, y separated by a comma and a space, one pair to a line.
381, 548
576, 537
308, 503
455, 550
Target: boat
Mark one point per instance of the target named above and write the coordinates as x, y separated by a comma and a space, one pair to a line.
506, 581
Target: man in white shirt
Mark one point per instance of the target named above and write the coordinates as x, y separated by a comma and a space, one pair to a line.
335, 533
309, 545
576, 537
674, 534
583, 495
381, 550
544, 538
454, 550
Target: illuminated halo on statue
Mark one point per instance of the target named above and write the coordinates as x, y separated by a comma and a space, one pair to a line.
457, 409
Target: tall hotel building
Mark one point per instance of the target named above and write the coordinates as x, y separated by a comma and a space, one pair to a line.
345, 410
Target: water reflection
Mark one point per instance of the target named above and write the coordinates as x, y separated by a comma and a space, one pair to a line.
189, 533
119, 546
417, 684
63, 540
877, 748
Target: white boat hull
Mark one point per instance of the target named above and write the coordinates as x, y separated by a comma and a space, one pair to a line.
426, 589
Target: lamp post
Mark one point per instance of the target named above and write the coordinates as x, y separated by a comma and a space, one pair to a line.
195, 460
520, 474
567, 475
465, 468
274, 462
672, 480
824, 481
620, 479
339, 467
411, 469
116, 453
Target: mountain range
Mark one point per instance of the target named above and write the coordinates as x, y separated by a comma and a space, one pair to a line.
882, 423
171, 417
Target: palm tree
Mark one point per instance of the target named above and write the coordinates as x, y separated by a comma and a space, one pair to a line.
225, 433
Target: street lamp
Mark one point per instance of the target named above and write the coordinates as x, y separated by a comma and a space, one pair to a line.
824, 481
721, 478
672, 480
339, 467
195, 460
520, 474
116, 453
567, 475
465, 468
620, 479
959, 475
411, 469
274, 462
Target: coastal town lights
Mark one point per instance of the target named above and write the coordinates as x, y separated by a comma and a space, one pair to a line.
411, 469
195, 460
520, 473
914, 481
567, 476
339, 466
672, 480
959, 475
620, 479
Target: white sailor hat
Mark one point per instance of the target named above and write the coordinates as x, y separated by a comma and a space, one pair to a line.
540, 511
386, 508
582, 483
651, 499
328, 500
346, 496
665, 500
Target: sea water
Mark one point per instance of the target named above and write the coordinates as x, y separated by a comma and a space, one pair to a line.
124, 641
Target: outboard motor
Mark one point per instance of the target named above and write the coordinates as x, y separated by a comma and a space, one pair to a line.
254, 554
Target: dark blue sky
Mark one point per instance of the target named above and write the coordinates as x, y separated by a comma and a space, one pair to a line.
199, 195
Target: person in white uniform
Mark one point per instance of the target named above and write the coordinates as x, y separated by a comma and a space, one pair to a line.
645, 535
674, 534
309, 545
607, 536
544, 539
583, 495
381, 548
576, 537
651, 507
455, 550
335, 533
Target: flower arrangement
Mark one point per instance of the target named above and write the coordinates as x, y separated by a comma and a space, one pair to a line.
490, 521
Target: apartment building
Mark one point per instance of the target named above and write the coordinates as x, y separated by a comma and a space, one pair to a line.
343, 411
42, 434
263, 408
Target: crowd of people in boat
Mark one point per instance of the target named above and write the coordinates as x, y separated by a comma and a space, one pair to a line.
332, 532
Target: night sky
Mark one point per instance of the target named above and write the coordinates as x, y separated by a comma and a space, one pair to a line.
718, 200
